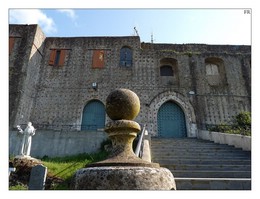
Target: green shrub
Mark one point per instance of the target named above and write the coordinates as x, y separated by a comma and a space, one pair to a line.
18, 187
240, 125
243, 119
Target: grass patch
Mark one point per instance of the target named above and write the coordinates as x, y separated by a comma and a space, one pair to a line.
65, 167
18, 187
61, 170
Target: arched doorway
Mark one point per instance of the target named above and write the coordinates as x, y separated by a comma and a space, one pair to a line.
93, 116
171, 121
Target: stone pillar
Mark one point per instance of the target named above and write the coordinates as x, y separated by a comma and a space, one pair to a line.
123, 170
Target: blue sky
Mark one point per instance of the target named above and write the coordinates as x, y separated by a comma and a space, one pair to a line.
209, 26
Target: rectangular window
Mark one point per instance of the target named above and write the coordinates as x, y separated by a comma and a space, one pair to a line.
126, 56
11, 44
57, 57
98, 59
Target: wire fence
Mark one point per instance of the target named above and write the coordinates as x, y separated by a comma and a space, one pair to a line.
66, 127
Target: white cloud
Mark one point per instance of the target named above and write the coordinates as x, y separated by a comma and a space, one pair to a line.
32, 16
69, 12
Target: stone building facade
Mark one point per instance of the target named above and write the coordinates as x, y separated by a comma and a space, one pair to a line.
62, 82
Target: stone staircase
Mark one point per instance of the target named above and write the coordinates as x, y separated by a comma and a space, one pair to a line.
203, 165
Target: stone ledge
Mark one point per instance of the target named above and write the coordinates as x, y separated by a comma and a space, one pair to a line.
239, 141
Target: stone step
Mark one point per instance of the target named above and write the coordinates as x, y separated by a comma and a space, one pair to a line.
181, 140
181, 143
213, 183
200, 153
200, 157
203, 162
209, 167
191, 146
197, 147
210, 174
157, 139
185, 146
201, 165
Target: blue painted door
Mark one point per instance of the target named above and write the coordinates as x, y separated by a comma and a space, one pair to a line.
93, 116
171, 121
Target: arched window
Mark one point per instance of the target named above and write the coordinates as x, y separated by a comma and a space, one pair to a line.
93, 116
166, 70
126, 57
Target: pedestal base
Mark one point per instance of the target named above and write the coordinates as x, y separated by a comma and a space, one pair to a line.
25, 159
123, 178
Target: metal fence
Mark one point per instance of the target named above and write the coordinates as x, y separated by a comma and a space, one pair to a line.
66, 127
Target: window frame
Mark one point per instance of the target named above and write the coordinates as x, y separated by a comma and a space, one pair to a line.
11, 44
98, 59
57, 57
126, 57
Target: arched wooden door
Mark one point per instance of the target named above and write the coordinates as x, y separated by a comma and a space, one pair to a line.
93, 116
171, 121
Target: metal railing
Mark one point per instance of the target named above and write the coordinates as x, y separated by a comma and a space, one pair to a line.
140, 143
64, 127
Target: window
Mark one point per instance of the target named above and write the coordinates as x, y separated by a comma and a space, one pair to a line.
126, 57
215, 71
212, 69
98, 59
57, 57
11, 44
166, 70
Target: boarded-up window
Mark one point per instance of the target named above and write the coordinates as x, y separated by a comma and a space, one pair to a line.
98, 59
11, 44
57, 57
52, 57
212, 69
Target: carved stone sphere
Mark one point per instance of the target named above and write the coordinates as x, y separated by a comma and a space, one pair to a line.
122, 104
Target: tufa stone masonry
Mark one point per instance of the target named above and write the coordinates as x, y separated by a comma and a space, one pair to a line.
62, 82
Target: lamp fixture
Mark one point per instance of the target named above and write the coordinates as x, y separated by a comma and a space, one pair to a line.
94, 85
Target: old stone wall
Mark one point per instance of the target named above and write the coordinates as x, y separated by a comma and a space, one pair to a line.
58, 143
24, 64
206, 97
